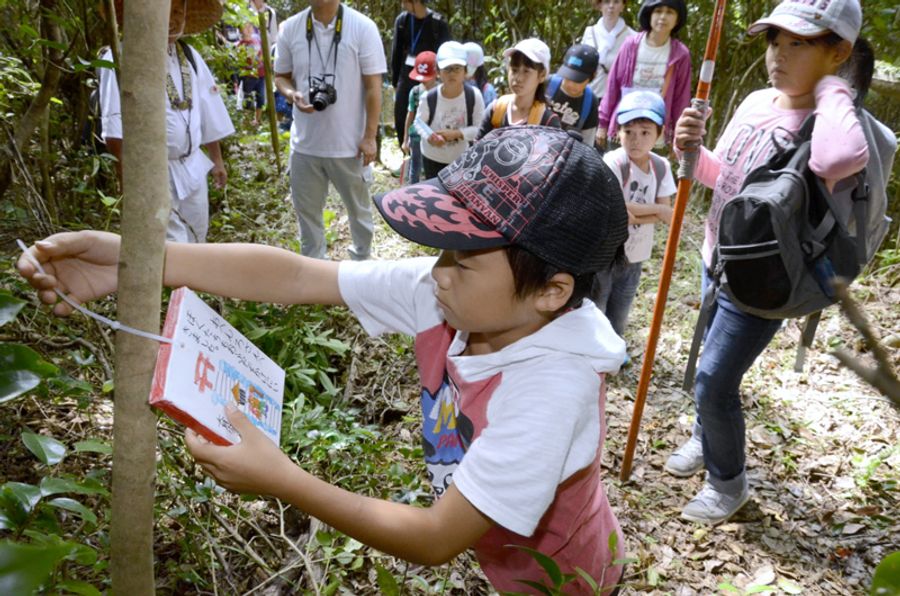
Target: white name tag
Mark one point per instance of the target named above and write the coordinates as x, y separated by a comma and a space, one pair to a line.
410, 60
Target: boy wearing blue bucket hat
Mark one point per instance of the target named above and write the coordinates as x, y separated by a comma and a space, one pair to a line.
648, 186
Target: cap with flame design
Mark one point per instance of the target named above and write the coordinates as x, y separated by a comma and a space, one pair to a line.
536, 187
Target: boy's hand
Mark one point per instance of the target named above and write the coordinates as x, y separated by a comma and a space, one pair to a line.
690, 129
450, 134
255, 465
405, 146
437, 140
83, 265
665, 214
600, 138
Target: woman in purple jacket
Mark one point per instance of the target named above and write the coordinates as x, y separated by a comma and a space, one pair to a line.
653, 59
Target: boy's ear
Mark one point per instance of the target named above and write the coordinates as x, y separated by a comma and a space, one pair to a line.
556, 293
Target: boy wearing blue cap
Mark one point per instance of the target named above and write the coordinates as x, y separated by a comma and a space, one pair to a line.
648, 186
569, 95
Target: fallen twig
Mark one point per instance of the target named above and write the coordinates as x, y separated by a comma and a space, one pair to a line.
882, 377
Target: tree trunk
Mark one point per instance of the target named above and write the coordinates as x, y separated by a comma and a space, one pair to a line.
47, 188
144, 215
49, 83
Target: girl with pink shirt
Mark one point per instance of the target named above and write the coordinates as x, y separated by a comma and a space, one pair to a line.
808, 46
653, 60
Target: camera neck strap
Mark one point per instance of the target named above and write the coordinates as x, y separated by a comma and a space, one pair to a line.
335, 41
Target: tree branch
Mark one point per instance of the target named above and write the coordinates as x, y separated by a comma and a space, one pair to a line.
882, 377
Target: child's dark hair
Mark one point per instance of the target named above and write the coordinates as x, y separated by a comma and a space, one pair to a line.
520, 59
859, 68
480, 77
659, 129
531, 273
645, 13
856, 70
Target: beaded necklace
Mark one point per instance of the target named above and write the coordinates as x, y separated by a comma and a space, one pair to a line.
174, 99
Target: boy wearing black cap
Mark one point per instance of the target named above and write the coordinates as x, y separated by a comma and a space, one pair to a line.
569, 95
511, 357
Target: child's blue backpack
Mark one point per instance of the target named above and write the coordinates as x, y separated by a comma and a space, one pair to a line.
587, 99
784, 237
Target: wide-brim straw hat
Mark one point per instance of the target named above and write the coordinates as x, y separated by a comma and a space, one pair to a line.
200, 15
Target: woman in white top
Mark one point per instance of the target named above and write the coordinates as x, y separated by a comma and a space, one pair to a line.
607, 35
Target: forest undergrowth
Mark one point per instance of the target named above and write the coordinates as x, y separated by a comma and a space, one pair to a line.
823, 449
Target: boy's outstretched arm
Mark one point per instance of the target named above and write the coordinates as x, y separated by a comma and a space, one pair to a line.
85, 266
429, 536
252, 272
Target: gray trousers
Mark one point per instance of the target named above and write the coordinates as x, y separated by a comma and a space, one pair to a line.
309, 187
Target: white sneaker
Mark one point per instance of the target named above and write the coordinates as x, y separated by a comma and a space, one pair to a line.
687, 460
710, 506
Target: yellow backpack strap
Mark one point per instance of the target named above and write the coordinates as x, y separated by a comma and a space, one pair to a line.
499, 111
536, 112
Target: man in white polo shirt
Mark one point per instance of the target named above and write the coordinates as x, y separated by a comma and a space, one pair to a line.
329, 63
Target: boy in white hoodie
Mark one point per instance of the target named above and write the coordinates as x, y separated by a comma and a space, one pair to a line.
511, 355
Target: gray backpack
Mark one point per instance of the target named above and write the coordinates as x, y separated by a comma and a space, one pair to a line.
784, 237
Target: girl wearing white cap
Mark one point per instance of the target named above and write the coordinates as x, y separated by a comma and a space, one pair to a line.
811, 46
527, 69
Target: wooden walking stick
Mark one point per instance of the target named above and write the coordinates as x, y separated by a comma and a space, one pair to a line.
685, 177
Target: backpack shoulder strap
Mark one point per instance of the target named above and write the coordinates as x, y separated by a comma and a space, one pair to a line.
587, 100
470, 103
431, 98
188, 53
624, 169
553, 85
706, 309
659, 170
499, 111
806, 339
536, 114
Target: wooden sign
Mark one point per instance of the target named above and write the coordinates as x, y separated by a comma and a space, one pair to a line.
210, 364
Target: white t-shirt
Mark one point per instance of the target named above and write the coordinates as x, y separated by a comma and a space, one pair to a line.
650, 68
186, 130
337, 130
549, 379
450, 114
640, 187
607, 44
519, 432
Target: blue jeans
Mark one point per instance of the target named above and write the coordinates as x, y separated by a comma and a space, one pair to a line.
614, 292
415, 161
734, 339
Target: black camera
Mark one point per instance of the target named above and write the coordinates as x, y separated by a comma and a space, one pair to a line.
322, 92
